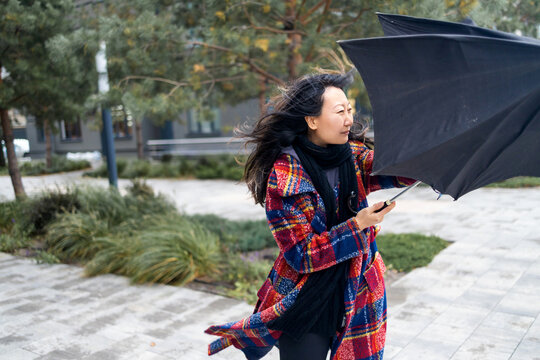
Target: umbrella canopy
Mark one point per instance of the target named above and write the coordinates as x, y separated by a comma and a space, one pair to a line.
455, 111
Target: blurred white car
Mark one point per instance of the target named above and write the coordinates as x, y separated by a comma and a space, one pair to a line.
22, 146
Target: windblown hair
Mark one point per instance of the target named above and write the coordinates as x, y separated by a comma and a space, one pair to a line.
283, 121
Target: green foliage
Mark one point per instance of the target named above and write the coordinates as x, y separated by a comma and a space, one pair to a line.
247, 235
517, 182
12, 242
48, 56
404, 252
59, 164
246, 275
44, 257
174, 253
10, 215
121, 165
38, 212
223, 166
170, 249
72, 237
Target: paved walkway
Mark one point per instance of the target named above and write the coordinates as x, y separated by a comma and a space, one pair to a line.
478, 299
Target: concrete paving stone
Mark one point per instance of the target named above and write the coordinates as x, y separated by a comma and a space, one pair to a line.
78, 346
534, 330
62, 355
18, 354
11, 342
511, 322
425, 349
391, 351
443, 333
462, 316
520, 304
498, 279
406, 322
427, 305
493, 339
527, 284
106, 354
480, 352
148, 355
480, 298
527, 350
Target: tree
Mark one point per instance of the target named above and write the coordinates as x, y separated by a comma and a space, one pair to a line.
167, 56
70, 79
142, 45
40, 81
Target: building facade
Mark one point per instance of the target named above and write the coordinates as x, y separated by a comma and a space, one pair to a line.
84, 135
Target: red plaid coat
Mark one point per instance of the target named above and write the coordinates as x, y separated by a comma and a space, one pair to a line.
297, 219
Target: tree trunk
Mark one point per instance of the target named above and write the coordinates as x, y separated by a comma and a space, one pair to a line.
2, 158
48, 146
295, 40
138, 137
13, 166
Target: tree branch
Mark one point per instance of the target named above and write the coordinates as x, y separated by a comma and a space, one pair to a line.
303, 19
244, 59
178, 84
323, 16
266, 28
343, 26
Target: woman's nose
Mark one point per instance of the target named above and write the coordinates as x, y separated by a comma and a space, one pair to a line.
349, 119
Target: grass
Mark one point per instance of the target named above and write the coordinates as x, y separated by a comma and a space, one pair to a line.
404, 252
141, 235
517, 182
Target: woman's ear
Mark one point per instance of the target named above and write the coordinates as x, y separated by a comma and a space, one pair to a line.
311, 122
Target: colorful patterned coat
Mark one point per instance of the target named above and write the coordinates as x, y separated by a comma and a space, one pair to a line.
297, 219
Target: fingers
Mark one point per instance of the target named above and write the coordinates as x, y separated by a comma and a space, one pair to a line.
388, 208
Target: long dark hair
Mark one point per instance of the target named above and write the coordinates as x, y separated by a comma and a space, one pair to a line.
283, 121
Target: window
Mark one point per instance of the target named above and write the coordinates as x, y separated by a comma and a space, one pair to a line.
198, 126
40, 133
71, 131
122, 122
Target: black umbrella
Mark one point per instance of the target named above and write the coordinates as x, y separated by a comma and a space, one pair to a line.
455, 111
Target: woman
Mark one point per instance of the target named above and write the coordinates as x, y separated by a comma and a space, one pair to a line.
311, 170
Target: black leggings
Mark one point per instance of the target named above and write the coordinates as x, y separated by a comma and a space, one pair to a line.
310, 347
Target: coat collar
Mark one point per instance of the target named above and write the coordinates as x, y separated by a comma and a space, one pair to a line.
291, 177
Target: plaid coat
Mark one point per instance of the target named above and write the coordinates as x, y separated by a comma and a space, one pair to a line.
297, 219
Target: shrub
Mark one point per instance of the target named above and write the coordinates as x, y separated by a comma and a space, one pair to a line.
39, 211
137, 169
114, 255
72, 237
9, 215
10, 243
58, 164
101, 171
246, 275
170, 250
242, 236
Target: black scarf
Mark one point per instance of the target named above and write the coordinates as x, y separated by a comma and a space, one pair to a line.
319, 307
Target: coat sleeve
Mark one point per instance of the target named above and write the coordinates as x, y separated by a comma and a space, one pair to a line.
305, 250
364, 161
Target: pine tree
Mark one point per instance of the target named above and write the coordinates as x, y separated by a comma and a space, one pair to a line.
41, 81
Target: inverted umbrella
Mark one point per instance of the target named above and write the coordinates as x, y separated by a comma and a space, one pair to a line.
455, 111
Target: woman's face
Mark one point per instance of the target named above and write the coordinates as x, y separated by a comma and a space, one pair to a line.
333, 124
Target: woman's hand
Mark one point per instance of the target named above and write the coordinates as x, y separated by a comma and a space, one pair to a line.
368, 217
